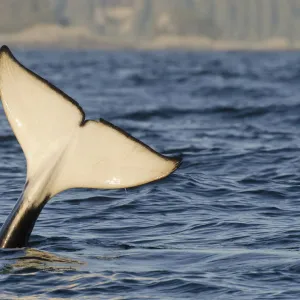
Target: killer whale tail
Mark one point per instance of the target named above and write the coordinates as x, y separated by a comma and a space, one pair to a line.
64, 150
53, 133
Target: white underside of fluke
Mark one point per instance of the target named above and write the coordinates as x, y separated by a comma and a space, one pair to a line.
63, 150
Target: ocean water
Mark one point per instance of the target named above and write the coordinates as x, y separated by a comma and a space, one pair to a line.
226, 225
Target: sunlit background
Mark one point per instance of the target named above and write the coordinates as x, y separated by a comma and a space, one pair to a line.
218, 24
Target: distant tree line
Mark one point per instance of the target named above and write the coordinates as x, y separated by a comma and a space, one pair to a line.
216, 19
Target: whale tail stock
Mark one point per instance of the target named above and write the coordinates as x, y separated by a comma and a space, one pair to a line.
64, 150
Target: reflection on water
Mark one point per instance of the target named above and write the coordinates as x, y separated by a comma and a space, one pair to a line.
33, 260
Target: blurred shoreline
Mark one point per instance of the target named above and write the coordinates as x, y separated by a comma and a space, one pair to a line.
55, 36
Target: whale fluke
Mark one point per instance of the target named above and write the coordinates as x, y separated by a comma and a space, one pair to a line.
64, 150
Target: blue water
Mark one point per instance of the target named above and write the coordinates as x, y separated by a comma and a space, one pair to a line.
226, 225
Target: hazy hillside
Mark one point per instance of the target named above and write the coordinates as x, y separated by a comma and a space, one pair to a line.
152, 23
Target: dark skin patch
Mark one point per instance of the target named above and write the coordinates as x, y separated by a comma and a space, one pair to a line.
20, 233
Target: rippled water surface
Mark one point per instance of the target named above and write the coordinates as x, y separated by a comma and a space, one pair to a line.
226, 225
